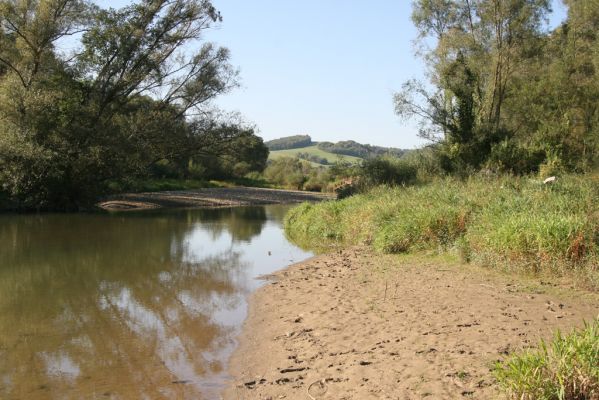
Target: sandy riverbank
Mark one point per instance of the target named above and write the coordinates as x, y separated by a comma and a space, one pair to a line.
209, 197
351, 325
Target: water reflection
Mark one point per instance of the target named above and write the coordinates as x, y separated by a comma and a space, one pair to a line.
132, 305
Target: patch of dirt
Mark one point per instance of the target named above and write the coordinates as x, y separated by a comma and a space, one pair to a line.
353, 325
210, 197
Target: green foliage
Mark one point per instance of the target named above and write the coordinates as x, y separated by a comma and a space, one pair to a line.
427, 163
387, 171
567, 368
344, 169
510, 223
313, 158
507, 96
288, 172
508, 157
232, 155
289, 142
553, 165
294, 173
129, 105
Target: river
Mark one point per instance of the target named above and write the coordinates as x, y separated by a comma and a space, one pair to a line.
131, 305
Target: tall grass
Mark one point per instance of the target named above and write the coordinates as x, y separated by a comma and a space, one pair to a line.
565, 369
514, 223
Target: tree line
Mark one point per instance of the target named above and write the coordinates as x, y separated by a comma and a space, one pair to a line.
504, 92
134, 99
290, 142
344, 147
355, 149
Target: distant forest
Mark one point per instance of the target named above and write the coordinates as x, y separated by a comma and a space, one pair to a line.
289, 142
351, 148
346, 147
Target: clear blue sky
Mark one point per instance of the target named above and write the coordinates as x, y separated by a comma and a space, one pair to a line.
327, 68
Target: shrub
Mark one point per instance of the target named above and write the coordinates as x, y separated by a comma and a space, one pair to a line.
254, 176
387, 171
241, 168
552, 166
426, 163
507, 156
565, 369
294, 173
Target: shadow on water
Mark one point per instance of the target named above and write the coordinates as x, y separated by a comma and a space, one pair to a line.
129, 305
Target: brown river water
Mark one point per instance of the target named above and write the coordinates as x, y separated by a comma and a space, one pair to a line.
134, 305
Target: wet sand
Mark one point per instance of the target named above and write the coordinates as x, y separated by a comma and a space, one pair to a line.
353, 325
209, 197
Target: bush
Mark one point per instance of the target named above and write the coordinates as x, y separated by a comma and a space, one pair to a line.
507, 156
294, 173
241, 169
565, 369
387, 171
426, 163
552, 166
254, 176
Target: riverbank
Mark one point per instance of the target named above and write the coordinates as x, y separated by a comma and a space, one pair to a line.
209, 197
354, 325
515, 224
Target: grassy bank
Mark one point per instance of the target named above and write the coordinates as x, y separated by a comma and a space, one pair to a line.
516, 224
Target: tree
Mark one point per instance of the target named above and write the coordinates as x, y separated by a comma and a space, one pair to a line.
557, 98
131, 96
479, 47
228, 150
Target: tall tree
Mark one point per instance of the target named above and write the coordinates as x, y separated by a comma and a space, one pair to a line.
136, 91
479, 45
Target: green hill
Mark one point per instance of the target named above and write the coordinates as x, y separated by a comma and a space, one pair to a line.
314, 151
326, 153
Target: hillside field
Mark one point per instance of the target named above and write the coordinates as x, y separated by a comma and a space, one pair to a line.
314, 150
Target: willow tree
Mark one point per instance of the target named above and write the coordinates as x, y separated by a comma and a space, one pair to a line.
72, 123
557, 97
478, 47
